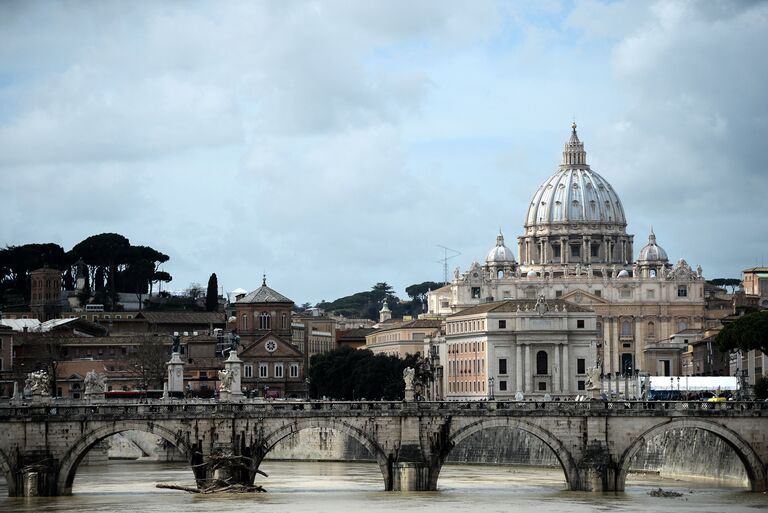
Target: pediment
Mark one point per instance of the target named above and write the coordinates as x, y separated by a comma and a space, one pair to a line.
261, 347
582, 297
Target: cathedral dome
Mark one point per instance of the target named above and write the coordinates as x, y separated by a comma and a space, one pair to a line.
652, 252
575, 194
500, 254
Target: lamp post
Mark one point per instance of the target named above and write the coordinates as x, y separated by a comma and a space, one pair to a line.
490, 388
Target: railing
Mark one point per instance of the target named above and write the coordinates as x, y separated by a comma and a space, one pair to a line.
378, 408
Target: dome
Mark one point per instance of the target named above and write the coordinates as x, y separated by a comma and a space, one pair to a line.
532, 274
623, 274
575, 194
500, 254
652, 252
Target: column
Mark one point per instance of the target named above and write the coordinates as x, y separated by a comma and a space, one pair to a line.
518, 368
556, 375
588, 254
563, 248
608, 324
566, 365
528, 373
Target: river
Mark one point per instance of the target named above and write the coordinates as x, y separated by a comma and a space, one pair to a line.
337, 487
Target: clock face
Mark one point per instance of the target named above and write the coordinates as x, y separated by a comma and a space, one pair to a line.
270, 346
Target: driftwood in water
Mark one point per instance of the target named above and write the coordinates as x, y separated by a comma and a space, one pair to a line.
236, 488
664, 493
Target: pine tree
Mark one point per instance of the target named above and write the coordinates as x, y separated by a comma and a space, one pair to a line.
212, 295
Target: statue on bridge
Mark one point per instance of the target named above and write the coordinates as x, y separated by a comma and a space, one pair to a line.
225, 377
176, 347
95, 383
234, 342
39, 383
594, 382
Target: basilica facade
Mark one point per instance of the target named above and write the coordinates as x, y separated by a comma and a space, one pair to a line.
575, 247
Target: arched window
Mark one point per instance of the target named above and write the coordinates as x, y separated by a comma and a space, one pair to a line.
626, 329
500, 274
244, 322
284, 323
542, 364
682, 325
264, 321
651, 330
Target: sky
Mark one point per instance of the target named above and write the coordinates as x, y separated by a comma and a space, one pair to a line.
336, 144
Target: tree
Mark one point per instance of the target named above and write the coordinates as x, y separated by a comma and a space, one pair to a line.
725, 282
748, 332
194, 291
148, 361
212, 294
106, 252
418, 293
159, 276
350, 374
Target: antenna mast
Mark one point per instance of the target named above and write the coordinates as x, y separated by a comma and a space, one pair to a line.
445, 259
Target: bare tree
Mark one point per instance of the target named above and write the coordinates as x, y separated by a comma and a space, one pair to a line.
148, 361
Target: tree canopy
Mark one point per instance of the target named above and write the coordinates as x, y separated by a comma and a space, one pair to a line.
725, 282
349, 374
212, 294
748, 332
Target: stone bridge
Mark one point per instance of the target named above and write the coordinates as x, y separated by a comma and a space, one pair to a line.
41, 446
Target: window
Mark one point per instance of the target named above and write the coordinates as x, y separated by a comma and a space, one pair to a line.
248, 370
284, 322
580, 385
264, 321
278, 370
475, 292
542, 386
581, 366
682, 291
598, 293
651, 331
576, 251
556, 251
542, 363
595, 250
626, 329
263, 370
502, 365
502, 325
650, 294
558, 293
625, 293
502, 386
293, 370
682, 325
244, 323
579, 323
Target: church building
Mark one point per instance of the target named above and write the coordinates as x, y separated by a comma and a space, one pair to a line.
575, 247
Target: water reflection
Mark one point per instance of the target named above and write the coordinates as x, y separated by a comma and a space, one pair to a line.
351, 487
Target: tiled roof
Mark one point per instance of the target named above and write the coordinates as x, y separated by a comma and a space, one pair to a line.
183, 317
417, 324
356, 333
264, 294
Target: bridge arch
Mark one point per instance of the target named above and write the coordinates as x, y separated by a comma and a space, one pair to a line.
73, 457
10, 476
756, 471
561, 452
294, 427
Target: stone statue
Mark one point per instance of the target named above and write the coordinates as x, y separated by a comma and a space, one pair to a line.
699, 271
225, 378
613, 271
517, 272
176, 347
95, 383
408, 375
519, 396
593, 377
541, 305
234, 342
456, 274
39, 383
578, 270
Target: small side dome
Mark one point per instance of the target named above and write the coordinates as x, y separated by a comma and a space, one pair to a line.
500, 254
532, 274
652, 252
623, 274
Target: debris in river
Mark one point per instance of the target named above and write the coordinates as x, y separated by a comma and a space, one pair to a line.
235, 488
664, 493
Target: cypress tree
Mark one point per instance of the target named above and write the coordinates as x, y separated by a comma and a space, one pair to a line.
212, 294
